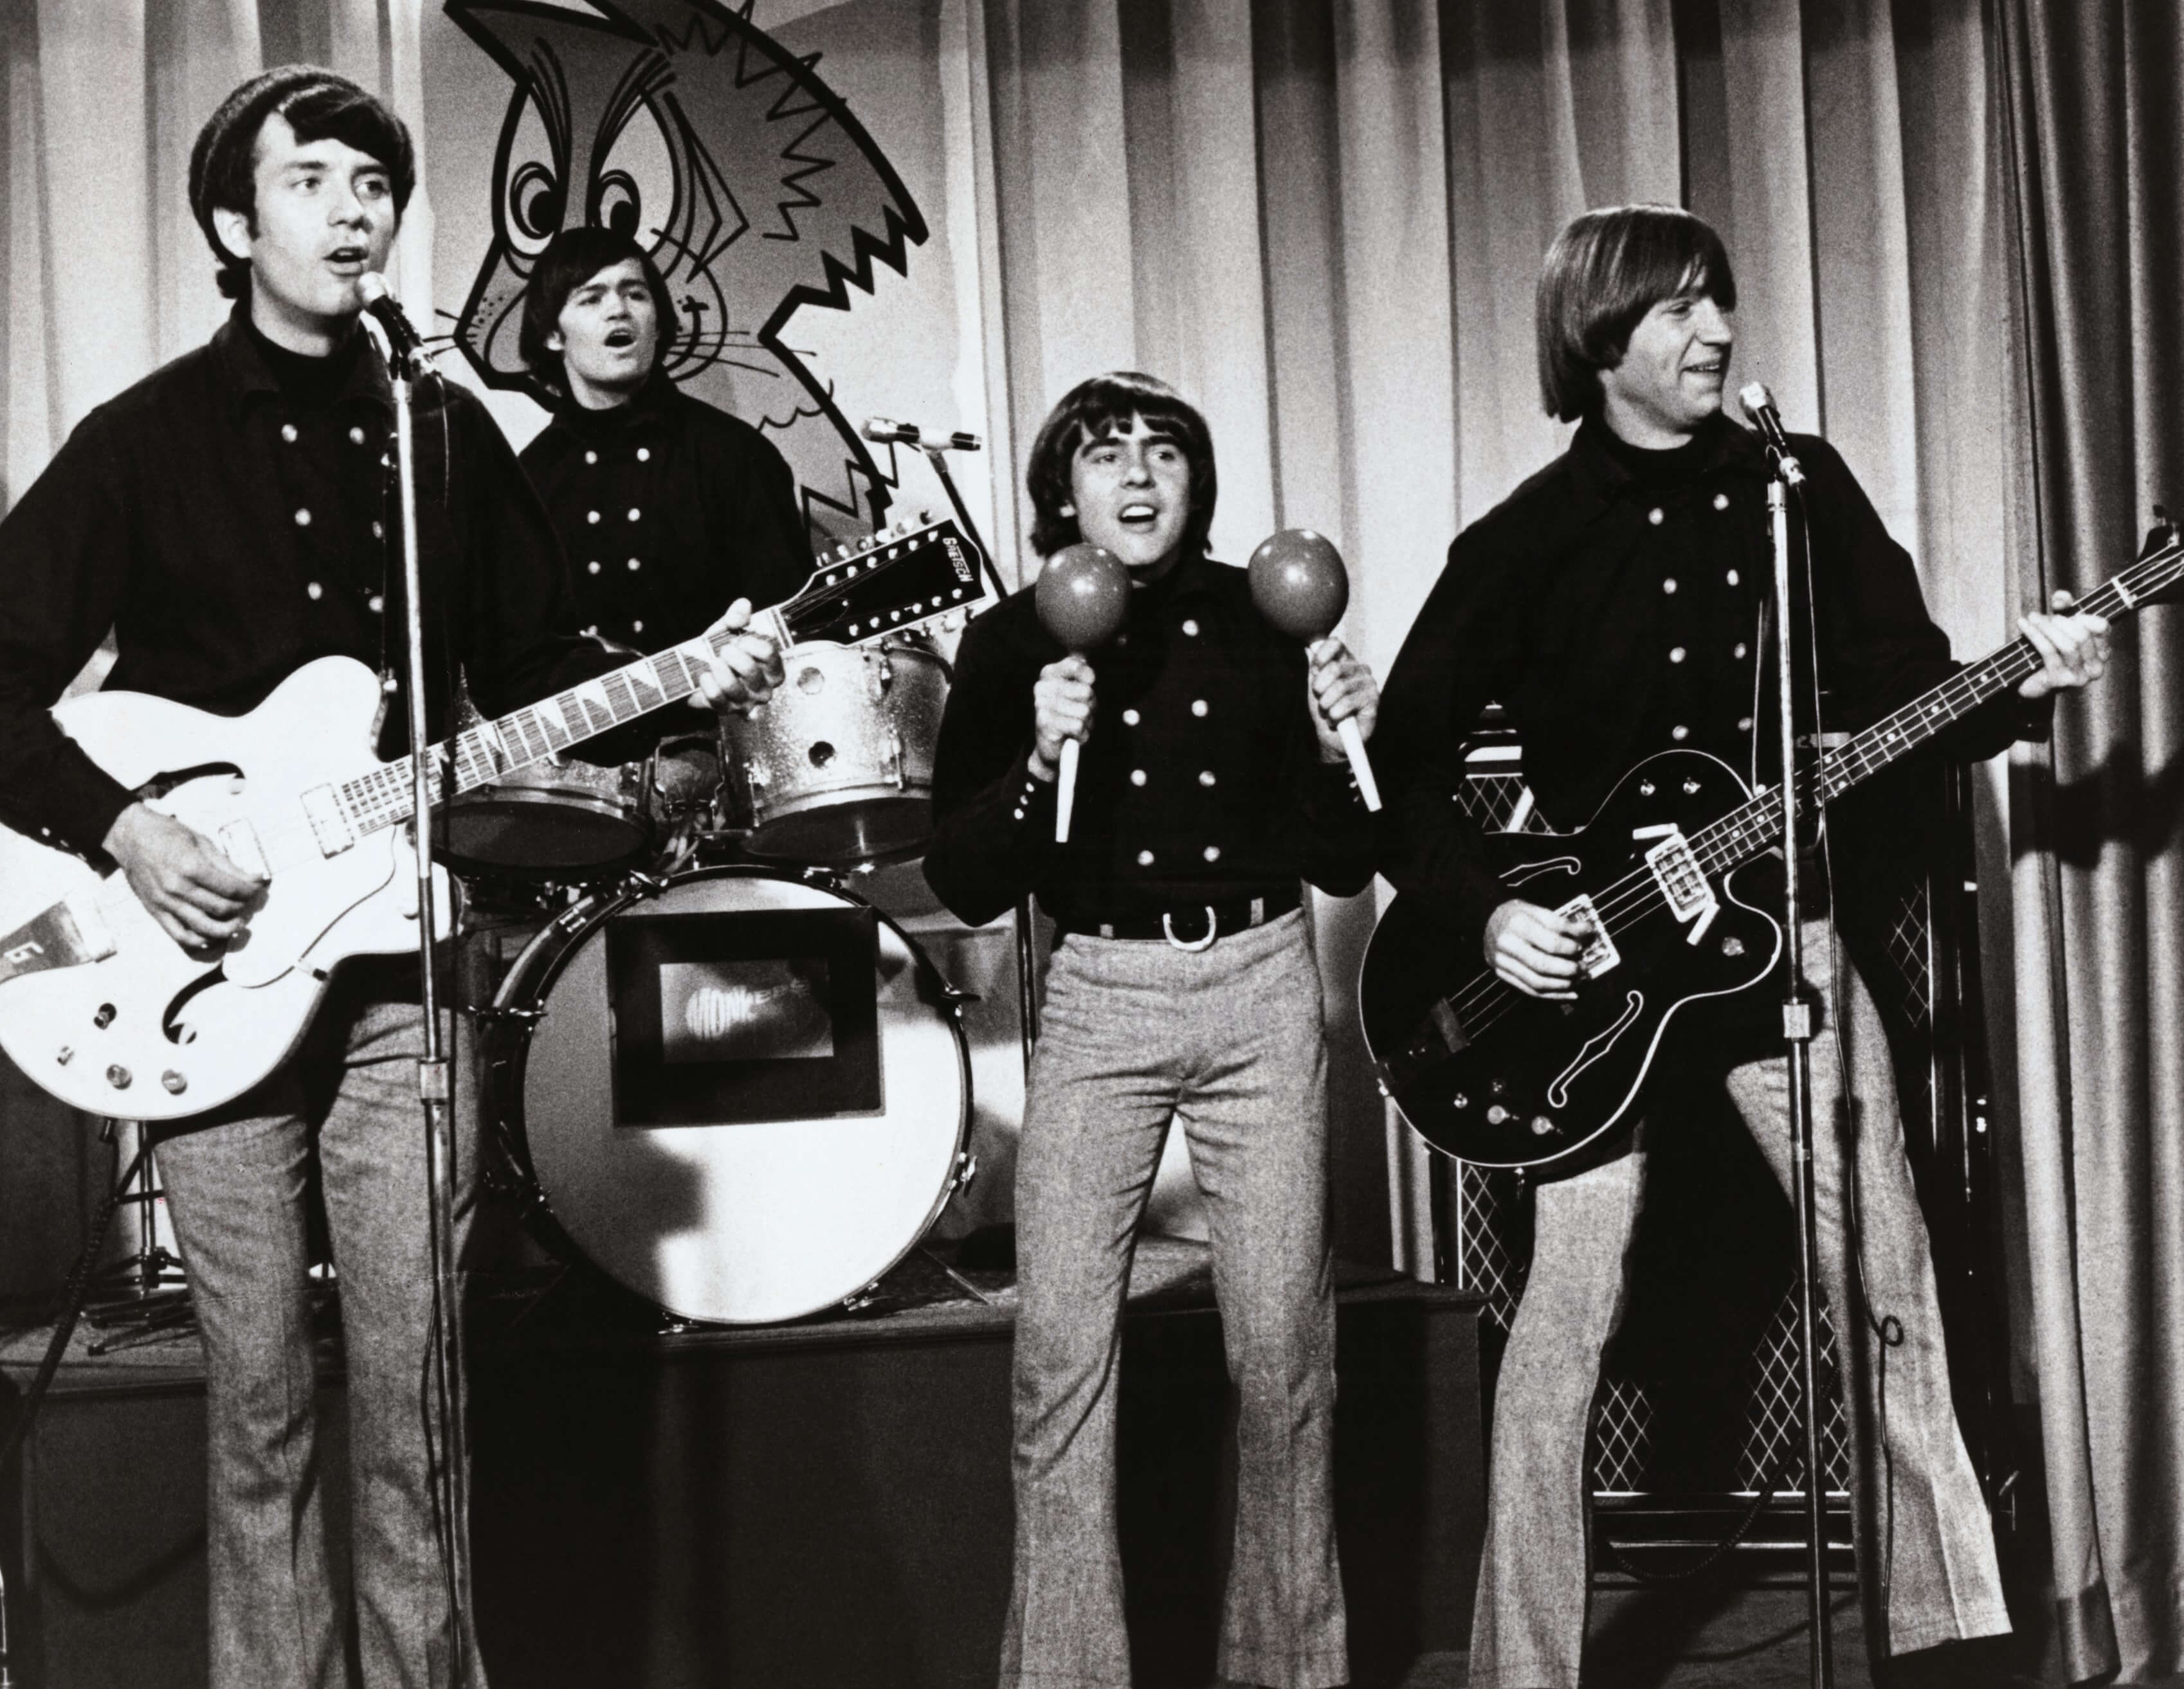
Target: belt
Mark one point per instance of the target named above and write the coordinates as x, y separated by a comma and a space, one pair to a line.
1194, 926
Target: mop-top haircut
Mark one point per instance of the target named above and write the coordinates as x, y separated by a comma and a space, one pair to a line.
319, 106
1604, 272
1104, 405
571, 259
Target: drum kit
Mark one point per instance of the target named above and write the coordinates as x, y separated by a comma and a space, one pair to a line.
722, 1077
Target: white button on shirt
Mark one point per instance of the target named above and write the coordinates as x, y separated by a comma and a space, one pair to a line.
1680, 734
303, 519
592, 566
1213, 853
644, 454
1669, 585
1721, 501
591, 515
1190, 628
1656, 516
1129, 718
1198, 706
1137, 776
1144, 859
1676, 653
356, 436
1732, 577
592, 457
314, 590
288, 432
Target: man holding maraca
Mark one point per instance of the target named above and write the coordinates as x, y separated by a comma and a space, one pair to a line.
1211, 779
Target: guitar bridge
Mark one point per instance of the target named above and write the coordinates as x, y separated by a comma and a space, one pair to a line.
1600, 952
1689, 894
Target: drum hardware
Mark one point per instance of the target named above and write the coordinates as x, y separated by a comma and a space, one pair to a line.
966, 1170
858, 1302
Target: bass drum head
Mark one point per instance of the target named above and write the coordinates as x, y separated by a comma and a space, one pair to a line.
765, 1219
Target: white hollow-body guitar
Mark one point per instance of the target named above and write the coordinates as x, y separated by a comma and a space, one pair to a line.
102, 1008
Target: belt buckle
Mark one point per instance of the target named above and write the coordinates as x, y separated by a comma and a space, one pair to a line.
1168, 931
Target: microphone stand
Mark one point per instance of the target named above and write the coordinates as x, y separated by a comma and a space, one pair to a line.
1797, 1035
433, 1087
1027, 1002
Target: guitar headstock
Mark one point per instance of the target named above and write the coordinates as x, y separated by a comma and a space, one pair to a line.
900, 577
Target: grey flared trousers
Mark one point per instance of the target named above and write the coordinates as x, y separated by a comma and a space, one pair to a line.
1926, 1547
1226, 1043
236, 1191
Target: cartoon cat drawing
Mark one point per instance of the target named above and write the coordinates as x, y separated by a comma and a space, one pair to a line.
758, 194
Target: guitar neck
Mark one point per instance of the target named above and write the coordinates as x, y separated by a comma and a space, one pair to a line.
490, 751
893, 581
1745, 832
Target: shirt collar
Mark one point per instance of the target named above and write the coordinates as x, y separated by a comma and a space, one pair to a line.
1191, 578
1597, 475
249, 374
648, 408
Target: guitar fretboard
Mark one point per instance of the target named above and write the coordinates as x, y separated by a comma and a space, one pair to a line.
1744, 833
478, 756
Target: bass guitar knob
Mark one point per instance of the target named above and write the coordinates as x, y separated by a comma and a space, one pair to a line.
1459, 1100
1542, 1126
1496, 1114
1732, 946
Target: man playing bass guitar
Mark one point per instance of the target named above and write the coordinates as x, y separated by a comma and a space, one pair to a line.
1612, 606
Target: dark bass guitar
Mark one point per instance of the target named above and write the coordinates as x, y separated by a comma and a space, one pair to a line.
1486, 1073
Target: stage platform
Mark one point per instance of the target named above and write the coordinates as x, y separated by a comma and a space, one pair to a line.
819, 1504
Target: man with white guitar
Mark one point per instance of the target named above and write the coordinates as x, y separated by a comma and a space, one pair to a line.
229, 518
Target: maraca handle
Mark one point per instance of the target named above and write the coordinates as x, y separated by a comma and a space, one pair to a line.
1353, 746
1065, 789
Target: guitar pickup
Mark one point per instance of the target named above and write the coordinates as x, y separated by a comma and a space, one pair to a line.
1689, 893
1600, 952
329, 826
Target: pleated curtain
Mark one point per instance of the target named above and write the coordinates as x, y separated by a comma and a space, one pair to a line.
1956, 226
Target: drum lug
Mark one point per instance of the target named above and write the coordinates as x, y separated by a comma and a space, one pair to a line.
858, 1301
880, 675
966, 1170
512, 1015
825, 878
896, 761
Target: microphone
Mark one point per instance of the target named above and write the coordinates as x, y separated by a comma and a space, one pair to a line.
886, 431
387, 310
1759, 405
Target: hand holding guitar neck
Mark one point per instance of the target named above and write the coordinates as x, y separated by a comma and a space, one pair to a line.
1082, 597
1299, 586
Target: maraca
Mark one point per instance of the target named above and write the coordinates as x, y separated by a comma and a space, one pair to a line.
1082, 597
1299, 586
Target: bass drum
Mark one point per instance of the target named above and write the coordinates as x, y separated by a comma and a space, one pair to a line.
744, 1096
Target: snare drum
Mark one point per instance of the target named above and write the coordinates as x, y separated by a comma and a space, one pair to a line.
837, 767
559, 817
744, 1096
567, 820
